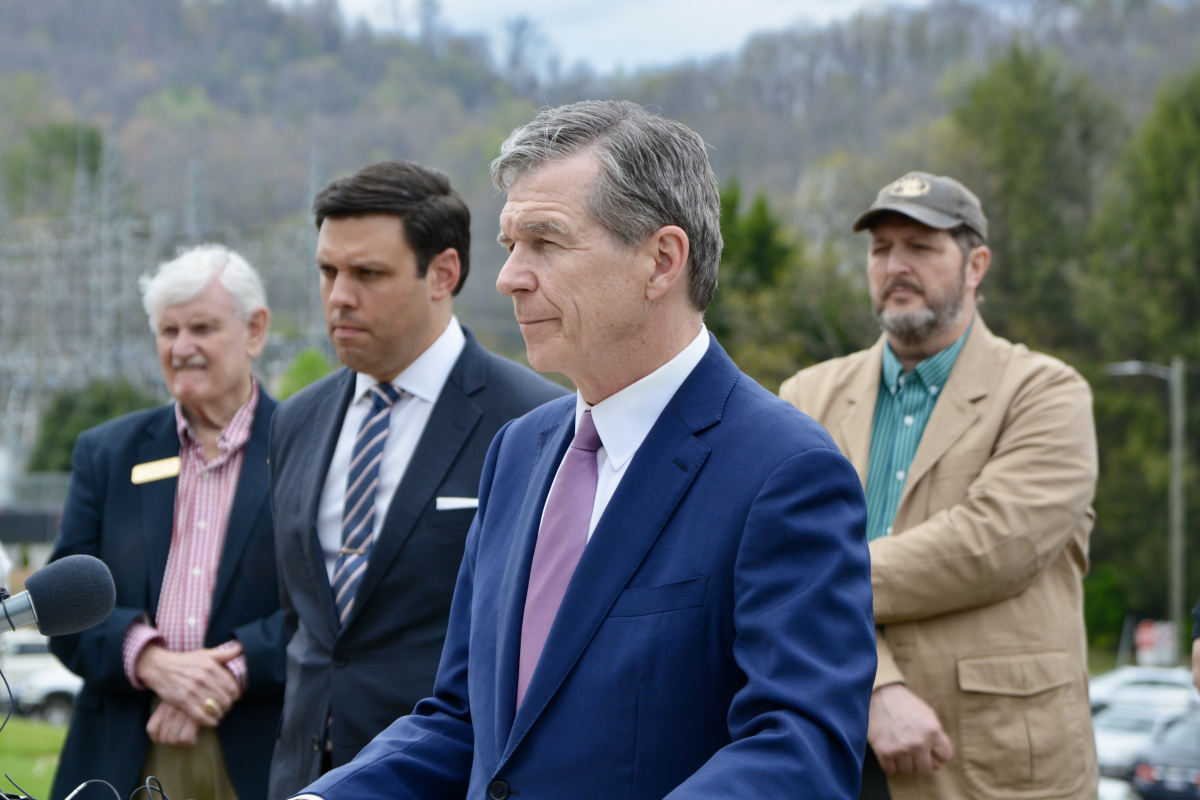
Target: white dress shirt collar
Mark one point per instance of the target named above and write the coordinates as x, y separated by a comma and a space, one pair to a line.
625, 419
425, 377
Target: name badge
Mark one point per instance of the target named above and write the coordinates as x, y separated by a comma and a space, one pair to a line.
155, 470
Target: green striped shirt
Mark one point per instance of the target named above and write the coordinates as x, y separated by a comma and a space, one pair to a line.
905, 403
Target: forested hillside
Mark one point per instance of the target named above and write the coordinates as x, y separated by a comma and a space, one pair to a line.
1076, 121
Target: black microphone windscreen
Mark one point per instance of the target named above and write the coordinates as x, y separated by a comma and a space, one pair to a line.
71, 595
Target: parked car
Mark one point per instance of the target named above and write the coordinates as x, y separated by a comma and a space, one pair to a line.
41, 685
48, 696
1159, 686
1170, 768
1124, 732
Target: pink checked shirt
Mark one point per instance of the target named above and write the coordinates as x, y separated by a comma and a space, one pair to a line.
203, 495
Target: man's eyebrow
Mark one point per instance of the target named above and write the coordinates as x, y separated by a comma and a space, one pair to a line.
544, 226
503, 239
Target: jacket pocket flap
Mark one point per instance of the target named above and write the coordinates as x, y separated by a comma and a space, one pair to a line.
1018, 675
657, 599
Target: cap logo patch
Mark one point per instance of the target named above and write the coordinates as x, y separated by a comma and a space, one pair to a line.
909, 186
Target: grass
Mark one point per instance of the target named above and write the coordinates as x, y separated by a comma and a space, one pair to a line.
1101, 661
29, 753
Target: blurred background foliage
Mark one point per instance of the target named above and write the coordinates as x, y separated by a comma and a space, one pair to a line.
1077, 122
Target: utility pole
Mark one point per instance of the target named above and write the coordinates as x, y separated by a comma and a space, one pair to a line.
1176, 377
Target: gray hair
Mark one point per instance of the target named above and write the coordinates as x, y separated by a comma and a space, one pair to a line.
653, 172
185, 277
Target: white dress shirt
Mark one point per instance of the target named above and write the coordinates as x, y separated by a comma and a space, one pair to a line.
624, 420
419, 386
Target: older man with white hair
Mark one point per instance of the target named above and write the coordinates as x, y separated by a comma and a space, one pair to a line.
184, 682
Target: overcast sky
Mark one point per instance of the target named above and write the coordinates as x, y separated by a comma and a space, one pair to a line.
621, 33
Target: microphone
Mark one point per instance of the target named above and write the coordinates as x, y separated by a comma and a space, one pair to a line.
66, 596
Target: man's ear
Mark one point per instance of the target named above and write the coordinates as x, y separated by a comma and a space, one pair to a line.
443, 274
978, 262
668, 248
257, 325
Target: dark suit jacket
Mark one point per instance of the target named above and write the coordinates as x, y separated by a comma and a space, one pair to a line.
383, 660
715, 640
129, 528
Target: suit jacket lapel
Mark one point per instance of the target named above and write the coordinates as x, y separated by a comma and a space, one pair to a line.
954, 411
450, 423
326, 418
656, 481
252, 491
510, 610
157, 500
853, 434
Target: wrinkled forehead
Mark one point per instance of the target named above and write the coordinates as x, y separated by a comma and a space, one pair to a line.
214, 302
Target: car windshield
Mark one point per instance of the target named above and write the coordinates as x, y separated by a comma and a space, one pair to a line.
1183, 734
1122, 722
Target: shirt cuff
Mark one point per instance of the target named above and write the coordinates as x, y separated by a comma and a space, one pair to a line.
138, 635
238, 666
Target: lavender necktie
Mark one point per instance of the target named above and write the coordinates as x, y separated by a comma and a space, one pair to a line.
560, 543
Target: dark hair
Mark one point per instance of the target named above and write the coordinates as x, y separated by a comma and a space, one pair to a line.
967, 239
432, 215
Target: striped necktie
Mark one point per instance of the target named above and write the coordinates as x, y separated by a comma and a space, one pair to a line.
358, 512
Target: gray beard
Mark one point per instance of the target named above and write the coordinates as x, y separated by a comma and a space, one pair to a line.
916, 327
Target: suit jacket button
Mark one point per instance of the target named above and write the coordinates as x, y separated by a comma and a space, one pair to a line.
339, 659
498, 790
316, 743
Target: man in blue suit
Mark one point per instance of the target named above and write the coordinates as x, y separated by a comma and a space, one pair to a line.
666, 588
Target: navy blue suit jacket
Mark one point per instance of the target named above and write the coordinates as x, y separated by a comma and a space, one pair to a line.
379, 664
716, 639
129, 528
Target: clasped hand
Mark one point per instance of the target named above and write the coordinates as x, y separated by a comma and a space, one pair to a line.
905, 732
190, 685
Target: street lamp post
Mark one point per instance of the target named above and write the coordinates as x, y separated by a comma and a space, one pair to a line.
1175, 376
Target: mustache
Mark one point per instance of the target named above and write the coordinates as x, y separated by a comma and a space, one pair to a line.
191, 362
900, 283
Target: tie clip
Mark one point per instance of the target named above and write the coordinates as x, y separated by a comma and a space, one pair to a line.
352, 551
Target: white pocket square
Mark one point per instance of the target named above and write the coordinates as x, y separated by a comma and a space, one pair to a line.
451, 503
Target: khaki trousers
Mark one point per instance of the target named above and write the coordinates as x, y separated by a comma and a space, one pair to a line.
190, 773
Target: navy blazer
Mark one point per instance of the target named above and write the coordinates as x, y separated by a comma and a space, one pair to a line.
383, 660
716, 639
129, 528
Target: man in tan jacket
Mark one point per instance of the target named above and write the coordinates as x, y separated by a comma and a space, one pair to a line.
978, 458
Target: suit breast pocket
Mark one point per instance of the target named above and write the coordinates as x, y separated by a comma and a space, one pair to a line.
660, 599
456, 518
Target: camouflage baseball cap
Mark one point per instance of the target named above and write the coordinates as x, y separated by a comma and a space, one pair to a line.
933, 200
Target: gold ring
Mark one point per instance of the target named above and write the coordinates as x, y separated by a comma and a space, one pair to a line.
212, 706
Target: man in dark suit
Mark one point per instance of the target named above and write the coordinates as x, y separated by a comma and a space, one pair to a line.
666, 589
375, 469
184, 681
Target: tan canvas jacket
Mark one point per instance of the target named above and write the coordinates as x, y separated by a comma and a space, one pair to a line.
978, 592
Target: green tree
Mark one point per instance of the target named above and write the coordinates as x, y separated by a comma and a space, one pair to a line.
73, 411
309, 366
778, 309
39, 173
1141, 298
1045, 138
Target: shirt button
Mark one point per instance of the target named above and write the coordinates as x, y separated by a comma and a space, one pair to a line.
196, 571
900, 475
191, 621
889, 530
201, 525
909, 420
933, 390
